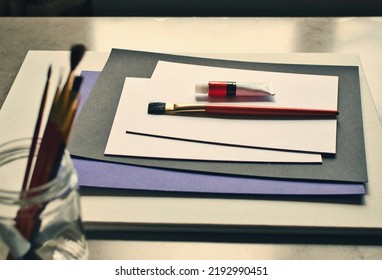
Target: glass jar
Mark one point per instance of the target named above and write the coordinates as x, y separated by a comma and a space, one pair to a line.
43, 222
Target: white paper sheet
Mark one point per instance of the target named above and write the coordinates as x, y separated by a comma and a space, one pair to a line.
175, 83
125, 144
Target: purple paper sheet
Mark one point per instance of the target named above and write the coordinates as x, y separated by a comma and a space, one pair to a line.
114, 175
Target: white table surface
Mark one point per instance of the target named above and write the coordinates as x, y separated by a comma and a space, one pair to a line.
239, 36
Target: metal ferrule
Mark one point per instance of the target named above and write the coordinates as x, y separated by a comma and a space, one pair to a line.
185, 108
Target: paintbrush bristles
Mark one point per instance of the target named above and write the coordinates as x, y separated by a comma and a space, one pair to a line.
76, 54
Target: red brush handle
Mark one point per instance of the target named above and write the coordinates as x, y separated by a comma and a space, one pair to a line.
268, 111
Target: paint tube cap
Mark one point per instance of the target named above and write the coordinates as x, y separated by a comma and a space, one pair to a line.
201, 87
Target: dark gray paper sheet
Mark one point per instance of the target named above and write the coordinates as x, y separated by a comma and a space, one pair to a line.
92, 127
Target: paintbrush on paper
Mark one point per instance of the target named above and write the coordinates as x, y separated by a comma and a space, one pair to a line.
161, 108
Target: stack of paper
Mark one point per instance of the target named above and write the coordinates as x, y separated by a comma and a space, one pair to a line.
114, 127
174, 82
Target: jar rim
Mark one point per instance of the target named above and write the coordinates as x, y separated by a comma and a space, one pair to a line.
19, 149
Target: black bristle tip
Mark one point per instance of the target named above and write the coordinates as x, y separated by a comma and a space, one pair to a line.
76, 54
77, 83
49, 71
157, 108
